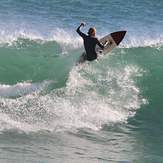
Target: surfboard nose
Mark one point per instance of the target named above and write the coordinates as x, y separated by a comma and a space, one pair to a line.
118, 36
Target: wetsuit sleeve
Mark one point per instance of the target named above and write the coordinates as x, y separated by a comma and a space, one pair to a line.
80, 33
99, 44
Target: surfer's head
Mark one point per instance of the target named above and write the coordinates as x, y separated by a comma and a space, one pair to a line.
92, 31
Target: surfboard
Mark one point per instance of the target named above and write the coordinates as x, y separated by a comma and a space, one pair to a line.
110, 41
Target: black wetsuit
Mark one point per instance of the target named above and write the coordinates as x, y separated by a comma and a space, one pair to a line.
89, 45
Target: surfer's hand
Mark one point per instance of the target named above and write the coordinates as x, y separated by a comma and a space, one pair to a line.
82, 24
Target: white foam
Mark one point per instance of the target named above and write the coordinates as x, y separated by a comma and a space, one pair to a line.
69, 39
9, 38
65, 38
20, 89
92, 98
142, 41
8, 123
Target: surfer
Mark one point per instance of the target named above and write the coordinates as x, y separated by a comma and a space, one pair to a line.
90, 42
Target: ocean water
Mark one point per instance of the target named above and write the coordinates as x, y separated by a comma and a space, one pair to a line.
52, 111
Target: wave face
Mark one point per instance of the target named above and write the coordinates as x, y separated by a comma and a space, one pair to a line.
41, 76
112, 104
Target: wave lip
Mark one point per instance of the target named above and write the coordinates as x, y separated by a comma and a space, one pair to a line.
64, 37
68, 39
142, 41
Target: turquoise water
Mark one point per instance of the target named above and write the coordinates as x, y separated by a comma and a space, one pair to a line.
109, 110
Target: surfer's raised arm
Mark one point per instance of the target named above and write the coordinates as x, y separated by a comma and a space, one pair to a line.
78, 30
